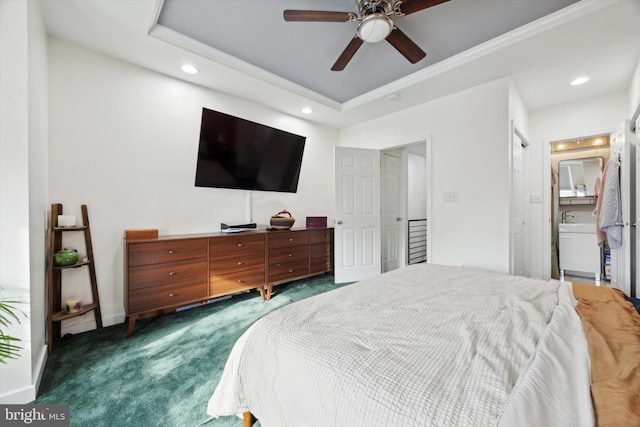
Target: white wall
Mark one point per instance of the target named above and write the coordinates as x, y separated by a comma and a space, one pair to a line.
469, 133
565, 121
634, 92
23, 188
38, 180
124, 140
416, 194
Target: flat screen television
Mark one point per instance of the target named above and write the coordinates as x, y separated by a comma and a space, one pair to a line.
241, 154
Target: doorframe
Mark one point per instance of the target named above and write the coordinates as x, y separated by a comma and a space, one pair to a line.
546, 188
516, 133
401, 156
405, 204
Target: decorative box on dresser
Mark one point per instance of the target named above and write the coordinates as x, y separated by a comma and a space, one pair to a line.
167, 272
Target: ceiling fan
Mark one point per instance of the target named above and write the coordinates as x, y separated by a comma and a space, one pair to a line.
374, 25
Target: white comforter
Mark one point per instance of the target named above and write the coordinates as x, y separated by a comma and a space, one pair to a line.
425, 345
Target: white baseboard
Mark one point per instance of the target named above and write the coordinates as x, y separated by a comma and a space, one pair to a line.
89, 324
39, 368
28, 394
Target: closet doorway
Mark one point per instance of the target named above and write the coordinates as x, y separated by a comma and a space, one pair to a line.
362, 195
404, 205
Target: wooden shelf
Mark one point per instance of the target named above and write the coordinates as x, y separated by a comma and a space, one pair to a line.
55, 315
76, 265
76, 228
64, 314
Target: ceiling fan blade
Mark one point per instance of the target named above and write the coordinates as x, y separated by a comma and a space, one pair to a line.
317, 16
412, 6
405, 46
347, 54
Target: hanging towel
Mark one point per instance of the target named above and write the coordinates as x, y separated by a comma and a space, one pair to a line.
611, 209
601, 235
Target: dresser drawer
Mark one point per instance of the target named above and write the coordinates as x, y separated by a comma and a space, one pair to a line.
285, 255
319, 265
167, 295
288, 270
287, 239
321, 235
171, 272
222, 284
320, 249
236, 262
236, 244
166, 251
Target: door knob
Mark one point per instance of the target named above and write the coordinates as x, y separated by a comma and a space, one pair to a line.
398, 219
338, 222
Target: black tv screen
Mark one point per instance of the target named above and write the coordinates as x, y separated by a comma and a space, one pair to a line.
238, 153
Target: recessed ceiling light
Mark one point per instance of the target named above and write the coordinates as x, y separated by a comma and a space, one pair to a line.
307, 110
189, 69
579, 80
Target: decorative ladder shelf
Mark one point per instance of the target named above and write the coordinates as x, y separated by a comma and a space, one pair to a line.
56, 311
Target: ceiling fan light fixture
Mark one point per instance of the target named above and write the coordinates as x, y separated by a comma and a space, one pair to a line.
375, 27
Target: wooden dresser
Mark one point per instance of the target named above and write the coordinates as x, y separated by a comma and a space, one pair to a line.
236, 263
172, 271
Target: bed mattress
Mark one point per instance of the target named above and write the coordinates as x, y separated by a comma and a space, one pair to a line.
425, 345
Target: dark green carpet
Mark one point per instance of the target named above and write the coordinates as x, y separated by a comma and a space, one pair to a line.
165, 374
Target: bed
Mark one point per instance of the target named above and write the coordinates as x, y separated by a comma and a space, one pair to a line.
425, 345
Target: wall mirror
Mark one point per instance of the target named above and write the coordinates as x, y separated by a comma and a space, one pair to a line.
578, 176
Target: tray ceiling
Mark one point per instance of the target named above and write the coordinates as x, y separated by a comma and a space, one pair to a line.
303, 52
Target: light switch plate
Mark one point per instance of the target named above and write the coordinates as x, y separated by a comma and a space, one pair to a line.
450, 196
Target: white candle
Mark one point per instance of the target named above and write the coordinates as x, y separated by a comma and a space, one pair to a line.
66, 220
74, 305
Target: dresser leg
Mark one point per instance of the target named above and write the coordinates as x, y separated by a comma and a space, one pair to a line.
132, 326
262, 294
269, 289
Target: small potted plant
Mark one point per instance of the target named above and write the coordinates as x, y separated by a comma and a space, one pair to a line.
9, 348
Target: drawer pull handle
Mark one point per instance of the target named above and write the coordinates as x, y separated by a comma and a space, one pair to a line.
290, 254
290, 239
240, 281
290, 271
173, 295
172, 273
240, 262
172, 251
240, 245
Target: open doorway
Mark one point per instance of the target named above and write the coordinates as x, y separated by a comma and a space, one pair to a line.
576, 167
404, 205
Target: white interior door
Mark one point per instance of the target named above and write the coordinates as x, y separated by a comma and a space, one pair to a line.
357, 224
622, 269
518, 207
391, 211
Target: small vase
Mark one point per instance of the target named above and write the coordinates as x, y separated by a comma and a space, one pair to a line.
65, 257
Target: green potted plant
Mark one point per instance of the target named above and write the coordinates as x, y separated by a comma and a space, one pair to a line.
9, 349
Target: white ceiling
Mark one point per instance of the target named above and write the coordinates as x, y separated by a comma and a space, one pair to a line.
244, 48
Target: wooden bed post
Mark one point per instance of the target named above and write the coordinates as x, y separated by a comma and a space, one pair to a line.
248, 419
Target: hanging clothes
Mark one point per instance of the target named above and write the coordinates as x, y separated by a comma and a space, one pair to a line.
601, 235
611, 208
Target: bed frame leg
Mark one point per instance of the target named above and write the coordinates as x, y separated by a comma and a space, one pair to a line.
248, 419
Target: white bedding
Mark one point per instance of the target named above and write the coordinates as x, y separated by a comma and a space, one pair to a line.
425, 345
